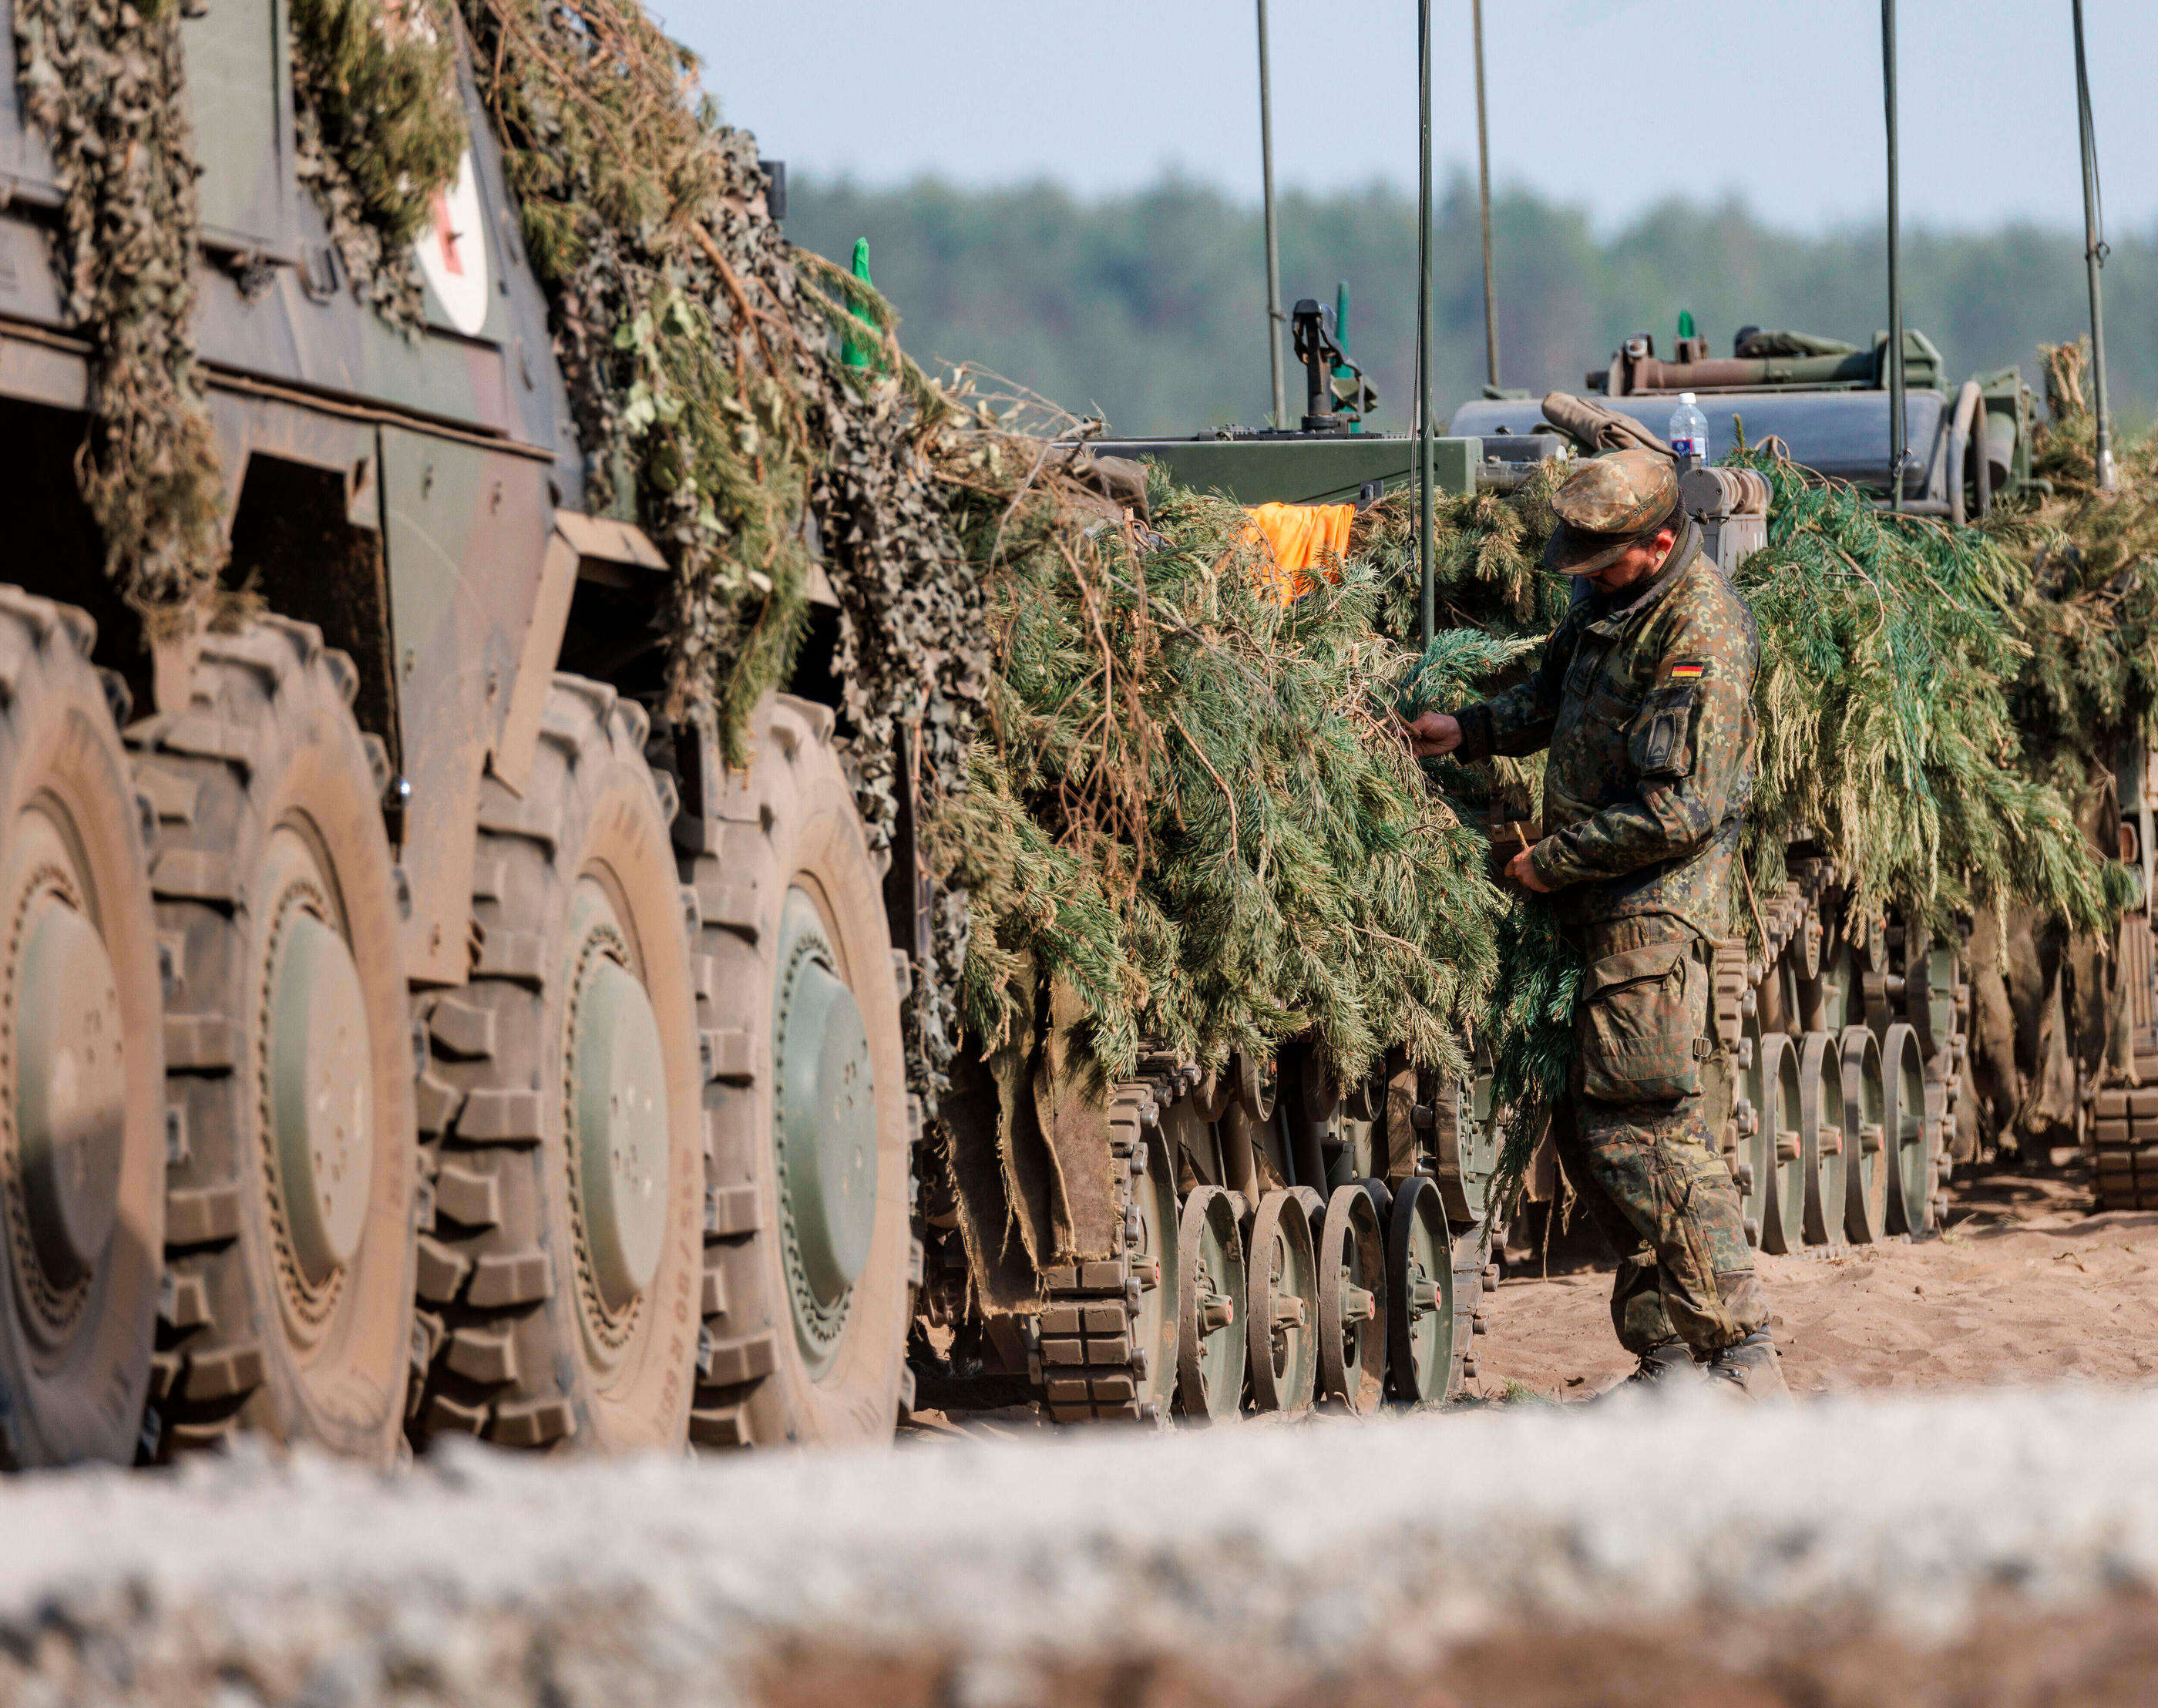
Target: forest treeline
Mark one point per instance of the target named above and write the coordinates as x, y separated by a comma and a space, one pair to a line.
1149, 307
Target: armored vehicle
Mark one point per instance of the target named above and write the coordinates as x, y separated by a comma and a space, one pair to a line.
409, 1032
403, 1034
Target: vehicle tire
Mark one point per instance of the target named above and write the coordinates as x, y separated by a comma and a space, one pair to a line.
82, 1140
559, 1279
288, 1056
810, 1129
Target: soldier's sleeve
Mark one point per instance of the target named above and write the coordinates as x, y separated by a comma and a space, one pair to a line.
1521, 719
1687, 750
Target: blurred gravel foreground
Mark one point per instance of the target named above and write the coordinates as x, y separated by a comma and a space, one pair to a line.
1990, 1548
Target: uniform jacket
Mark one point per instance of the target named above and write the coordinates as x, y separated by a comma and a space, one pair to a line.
1646, 698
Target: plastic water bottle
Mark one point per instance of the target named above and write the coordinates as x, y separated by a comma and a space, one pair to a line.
1689, 432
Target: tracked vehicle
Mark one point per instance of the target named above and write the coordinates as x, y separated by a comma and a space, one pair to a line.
1269, 1239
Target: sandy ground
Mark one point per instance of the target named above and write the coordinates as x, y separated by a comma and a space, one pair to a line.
2024, 1286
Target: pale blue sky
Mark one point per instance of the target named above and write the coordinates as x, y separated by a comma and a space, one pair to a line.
1610, 104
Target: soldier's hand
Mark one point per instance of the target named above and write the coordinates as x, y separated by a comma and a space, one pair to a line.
1523, 871
1432, 733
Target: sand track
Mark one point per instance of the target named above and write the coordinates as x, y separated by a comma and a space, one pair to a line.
2025, 1285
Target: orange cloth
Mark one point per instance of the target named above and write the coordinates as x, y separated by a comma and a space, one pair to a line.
1300, 539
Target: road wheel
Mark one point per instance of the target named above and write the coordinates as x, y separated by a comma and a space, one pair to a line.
807, 1244
1352, 1301
1910, 1135
1420, 1362
81, 1080
559, 1281
1280, 1313
1211, 1351
1821, 1137
288, 1055
1865, 1137
1781, 1155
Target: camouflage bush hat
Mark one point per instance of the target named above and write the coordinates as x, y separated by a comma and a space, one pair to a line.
1608, 503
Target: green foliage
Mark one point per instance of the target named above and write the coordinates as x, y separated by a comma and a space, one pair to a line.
1887, 647
103, 80
1486, 570
1457, 661
380, 129
1531, 1028
2089, 685
1188, 801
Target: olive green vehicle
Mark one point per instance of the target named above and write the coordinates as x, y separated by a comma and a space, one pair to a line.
1257, 1238
401, 1035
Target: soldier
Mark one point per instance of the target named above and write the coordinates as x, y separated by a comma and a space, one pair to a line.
1644, 696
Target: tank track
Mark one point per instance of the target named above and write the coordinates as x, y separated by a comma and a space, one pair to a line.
1086, 1361
2124, 1141
1085, 1356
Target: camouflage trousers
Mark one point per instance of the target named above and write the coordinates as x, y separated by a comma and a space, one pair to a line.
1636, 1140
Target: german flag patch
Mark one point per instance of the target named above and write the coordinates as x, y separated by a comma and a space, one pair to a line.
1688, 671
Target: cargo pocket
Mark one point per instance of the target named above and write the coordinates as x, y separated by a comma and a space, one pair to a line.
1662, 735
1641, 1012
1580, 674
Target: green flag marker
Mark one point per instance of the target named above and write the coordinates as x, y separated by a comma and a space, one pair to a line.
852, 354
1686, 315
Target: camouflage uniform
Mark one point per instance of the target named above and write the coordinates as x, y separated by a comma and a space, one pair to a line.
1645, 697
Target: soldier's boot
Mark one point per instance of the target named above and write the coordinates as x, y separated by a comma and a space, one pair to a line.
1666, 1365
1752, 1367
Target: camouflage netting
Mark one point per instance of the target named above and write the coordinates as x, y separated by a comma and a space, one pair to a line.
702, 358
2090, 683
380, 129
102, 80
2048, 1020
